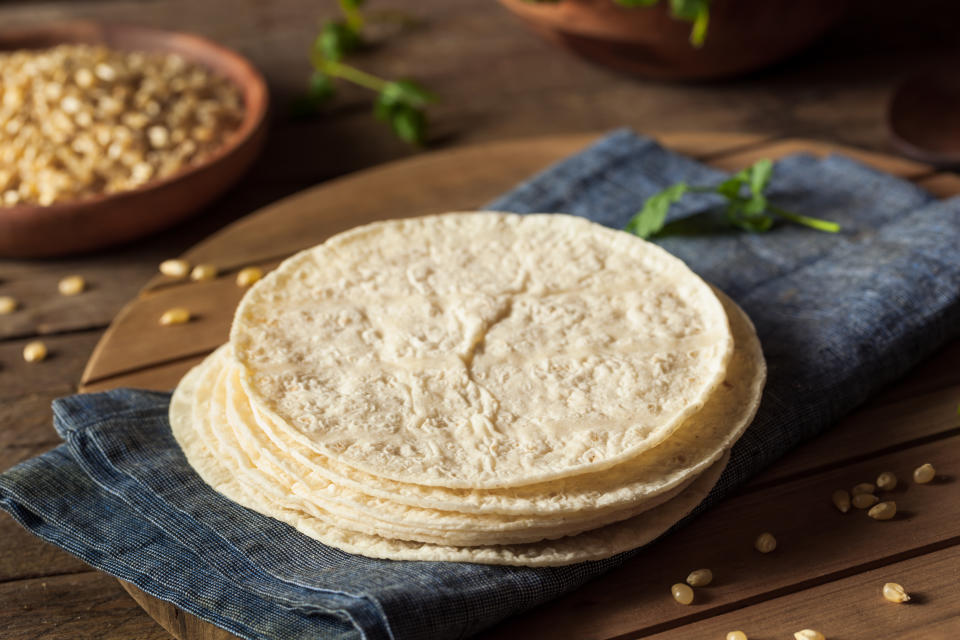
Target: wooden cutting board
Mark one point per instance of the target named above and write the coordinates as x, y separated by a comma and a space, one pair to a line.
135, 351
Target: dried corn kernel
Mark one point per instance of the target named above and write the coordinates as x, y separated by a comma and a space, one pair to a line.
700, 578
203, 272
7, 305
883, 510
887, 481
895, 593
765, 542
177, 315
924, 473
736, 635
865, 500
841, 500
71, 285
34, 351
863, 487
248, 276
682, 593
175, 268
808, 634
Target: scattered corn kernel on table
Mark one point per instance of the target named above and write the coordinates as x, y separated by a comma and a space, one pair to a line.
828, 570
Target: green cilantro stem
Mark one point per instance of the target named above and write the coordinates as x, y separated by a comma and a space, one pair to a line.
352, 14
350, 74
807, 221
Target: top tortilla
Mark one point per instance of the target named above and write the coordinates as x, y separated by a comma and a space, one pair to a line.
481, 350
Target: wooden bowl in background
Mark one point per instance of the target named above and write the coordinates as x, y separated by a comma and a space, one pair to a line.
29, 231
743, 35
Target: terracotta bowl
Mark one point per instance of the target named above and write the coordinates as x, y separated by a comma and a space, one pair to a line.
743, 35
100, 221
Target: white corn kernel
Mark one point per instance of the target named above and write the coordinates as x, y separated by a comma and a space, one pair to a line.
177, 315
863, 487
895, 593
71, 285
203, 272
841, 500
175, 268
7, 305
924, 473
34, 351
736, 635
808, 634
682, 593
883, 510
765, 543
865, 500
887, 481
159, 137
700, 578
248, 276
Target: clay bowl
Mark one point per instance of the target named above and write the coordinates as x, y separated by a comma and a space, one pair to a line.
100, 221
923, 118
743, 35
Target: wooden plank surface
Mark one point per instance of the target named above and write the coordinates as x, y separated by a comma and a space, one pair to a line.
815, 544
497, 82
854, 603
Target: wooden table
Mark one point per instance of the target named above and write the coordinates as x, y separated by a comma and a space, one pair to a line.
498, 82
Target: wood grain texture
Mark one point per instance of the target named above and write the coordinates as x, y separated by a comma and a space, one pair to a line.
81, 606
853, 603
34, 558
815, 544
905, 428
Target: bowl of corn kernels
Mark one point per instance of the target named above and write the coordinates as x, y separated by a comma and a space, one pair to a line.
111, 132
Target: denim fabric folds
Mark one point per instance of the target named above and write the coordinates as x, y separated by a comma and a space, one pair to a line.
839, 316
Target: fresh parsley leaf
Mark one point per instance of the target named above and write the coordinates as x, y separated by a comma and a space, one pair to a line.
688, 9
698, 34
406, 92
410, 124
651, 218
751, 211
336, 40
758, 176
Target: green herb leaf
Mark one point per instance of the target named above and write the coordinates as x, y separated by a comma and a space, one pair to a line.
751, 212
688, 9
651, 218
753, 223
698, 34
758, 176
410, 124
336, 40
406, 92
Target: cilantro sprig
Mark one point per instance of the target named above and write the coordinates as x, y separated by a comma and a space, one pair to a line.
747, 206
399, 103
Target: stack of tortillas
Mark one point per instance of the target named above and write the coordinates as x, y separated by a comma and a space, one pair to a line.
481, 387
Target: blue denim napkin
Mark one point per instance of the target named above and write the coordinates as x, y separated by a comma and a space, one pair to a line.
839, 317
